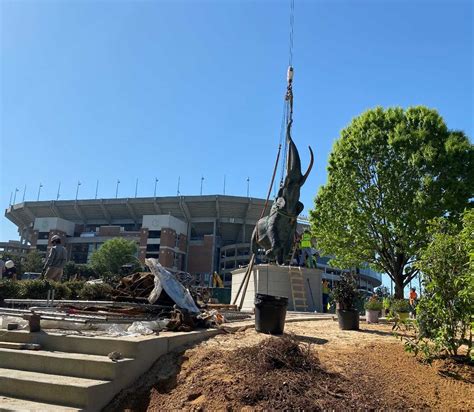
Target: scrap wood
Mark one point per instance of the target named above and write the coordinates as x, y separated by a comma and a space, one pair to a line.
139, 284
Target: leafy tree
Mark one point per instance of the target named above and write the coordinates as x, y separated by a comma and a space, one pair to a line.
390, 172
113, 254
445, 310
33, 262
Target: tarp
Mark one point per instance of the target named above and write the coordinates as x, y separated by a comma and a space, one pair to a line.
175, 290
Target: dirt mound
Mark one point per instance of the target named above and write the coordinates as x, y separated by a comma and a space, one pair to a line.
282, 373
278, 373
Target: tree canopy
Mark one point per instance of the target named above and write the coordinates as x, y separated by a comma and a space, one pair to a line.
114, 253
389, 173
33, 262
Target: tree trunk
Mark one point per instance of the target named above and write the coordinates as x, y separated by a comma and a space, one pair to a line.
398, 280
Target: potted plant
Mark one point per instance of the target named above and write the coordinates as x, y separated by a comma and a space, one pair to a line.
372, 309
345, 295
401, 307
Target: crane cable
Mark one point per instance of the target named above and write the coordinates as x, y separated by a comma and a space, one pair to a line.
287, 116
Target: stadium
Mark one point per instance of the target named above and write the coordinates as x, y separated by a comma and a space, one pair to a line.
195, 234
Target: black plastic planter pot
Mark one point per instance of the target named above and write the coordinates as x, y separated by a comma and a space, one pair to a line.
348, 319
270, 313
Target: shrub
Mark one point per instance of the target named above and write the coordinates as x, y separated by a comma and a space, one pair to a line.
444, 313
96, 291
38, 289
75, 286
400, 306
373, 304
345, 292
9, 289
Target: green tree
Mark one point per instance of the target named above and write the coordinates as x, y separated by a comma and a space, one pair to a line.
445, 310
113, 254
33, 262
390, 172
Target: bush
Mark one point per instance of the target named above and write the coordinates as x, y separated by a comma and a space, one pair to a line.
75, 286
373, 304
345, 292
445, 312
9, 289
400, 306
83, 270
38, 289
97, 291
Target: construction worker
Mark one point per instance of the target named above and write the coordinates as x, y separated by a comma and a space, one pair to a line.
10, 270
53, 267
306, 248
326, 292
413, 298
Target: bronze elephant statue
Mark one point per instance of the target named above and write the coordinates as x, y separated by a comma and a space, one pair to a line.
275, 232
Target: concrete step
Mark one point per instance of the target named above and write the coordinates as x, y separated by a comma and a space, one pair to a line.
8, 404
55, 389
63, 363
97, 345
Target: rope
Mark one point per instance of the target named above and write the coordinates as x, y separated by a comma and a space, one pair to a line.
271, 184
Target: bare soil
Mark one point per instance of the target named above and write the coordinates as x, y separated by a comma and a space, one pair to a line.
326, 369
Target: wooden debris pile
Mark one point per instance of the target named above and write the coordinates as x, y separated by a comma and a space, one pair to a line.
136, 286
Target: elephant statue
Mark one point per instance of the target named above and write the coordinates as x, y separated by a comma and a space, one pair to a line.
275, 232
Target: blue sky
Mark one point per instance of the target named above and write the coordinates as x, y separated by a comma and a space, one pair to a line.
142, 89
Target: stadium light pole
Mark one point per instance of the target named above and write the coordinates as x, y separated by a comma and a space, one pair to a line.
116, 189
96, 188
39, 191
14, 197
248, 186
58, 194
77, 189
154, 192
202, 180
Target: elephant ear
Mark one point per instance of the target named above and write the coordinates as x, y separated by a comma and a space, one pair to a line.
299, 208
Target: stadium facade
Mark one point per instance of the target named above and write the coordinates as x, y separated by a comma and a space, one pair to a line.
196, 234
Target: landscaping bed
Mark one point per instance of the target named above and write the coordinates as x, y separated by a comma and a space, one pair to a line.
341, 370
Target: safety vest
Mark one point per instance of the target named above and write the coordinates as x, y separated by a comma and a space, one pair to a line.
306, 240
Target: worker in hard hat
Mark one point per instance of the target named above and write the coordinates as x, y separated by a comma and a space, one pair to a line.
306, 248
53, 267
10, 270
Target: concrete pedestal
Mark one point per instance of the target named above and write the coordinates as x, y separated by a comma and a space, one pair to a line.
275, 280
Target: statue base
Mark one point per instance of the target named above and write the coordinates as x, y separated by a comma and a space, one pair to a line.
275, 280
